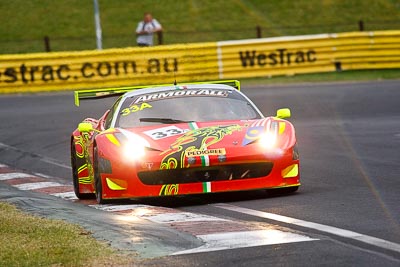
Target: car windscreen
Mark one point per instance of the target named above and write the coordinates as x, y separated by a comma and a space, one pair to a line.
184, 106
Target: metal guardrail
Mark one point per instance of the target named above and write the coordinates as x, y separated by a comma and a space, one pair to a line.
54, 43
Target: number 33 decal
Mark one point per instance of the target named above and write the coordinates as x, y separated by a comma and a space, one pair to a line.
164, 132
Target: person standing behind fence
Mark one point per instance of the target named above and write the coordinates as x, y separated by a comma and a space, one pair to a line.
146, 29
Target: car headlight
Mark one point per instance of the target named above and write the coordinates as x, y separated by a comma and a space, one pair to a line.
133, 151
267, 140
134, 147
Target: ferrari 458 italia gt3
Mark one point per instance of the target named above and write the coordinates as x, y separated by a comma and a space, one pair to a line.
181, 139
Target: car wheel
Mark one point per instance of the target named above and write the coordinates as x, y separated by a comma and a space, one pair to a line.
97, 180
75, 179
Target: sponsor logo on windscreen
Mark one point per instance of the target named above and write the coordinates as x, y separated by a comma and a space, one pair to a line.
207, 152
180, 93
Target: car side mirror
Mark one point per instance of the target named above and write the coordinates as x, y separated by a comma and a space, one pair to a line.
283, 113
85, 127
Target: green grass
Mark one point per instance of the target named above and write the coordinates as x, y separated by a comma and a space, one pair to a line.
345, 76
32, 241
70, 23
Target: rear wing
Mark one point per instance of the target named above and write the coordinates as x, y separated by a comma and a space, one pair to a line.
109, 92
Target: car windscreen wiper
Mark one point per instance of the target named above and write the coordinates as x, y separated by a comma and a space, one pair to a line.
162, 120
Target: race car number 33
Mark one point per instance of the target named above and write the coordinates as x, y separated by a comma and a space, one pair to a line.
164, 132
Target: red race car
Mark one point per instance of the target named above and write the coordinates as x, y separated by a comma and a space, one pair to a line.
181, 139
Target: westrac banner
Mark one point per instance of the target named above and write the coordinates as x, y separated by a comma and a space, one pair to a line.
265, 57
111, 67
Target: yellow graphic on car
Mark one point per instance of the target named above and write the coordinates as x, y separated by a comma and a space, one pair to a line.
135, 108
169, 190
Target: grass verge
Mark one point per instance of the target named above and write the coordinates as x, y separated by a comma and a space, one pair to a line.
70, 23
28, 240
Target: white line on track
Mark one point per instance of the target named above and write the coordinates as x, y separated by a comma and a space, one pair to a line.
14, 175
113, 208
66, 195
232, 240
182, 217
40, 157
43, 175
166, 216
3, 166
33, 186
320, 227
212, 242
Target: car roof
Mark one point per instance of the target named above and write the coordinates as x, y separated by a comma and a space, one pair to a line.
177, 87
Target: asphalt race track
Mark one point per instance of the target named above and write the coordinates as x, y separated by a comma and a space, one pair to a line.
349, 141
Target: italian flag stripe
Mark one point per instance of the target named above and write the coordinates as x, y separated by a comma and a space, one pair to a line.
207, 187
193, 126
205, 160
202, 161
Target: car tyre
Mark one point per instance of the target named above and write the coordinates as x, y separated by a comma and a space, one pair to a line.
97, 180
75, 179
